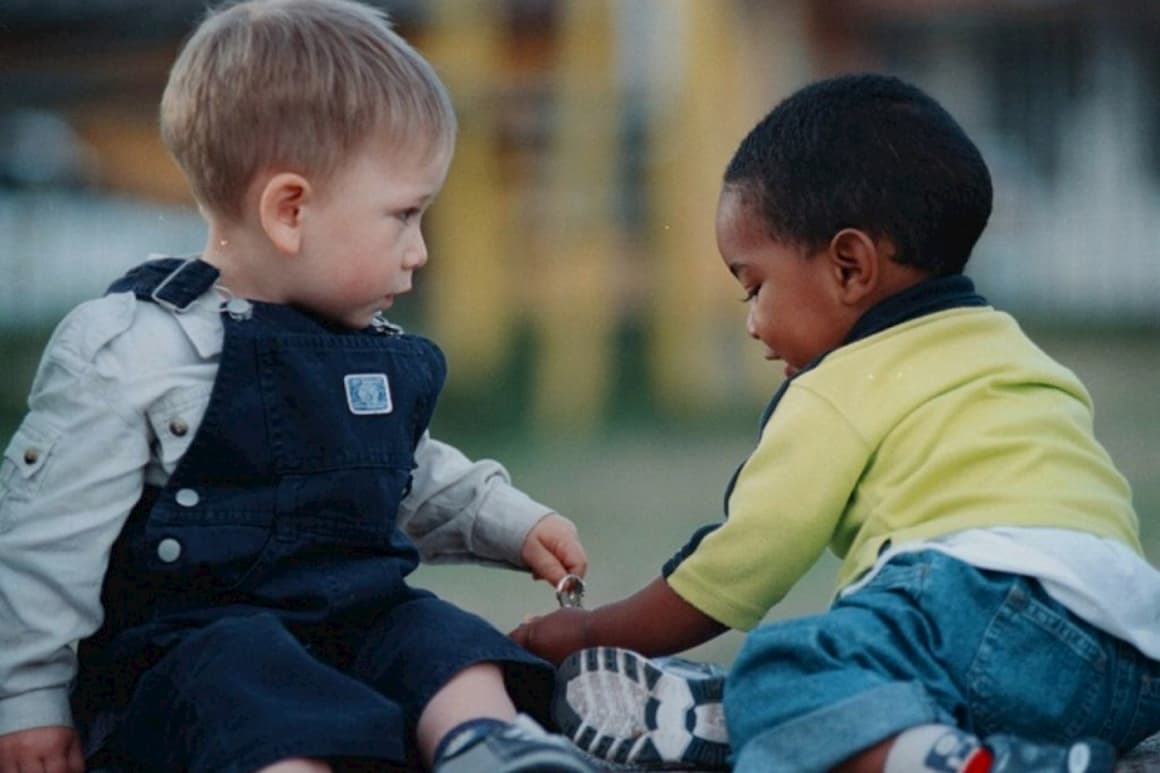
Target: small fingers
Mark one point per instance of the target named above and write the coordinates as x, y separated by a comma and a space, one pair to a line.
76, 758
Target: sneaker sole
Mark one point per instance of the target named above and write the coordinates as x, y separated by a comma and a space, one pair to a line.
621, 707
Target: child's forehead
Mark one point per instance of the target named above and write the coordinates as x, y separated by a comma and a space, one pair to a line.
739, 212
422, 161
414, 146
426, 157
741, 199
743, 217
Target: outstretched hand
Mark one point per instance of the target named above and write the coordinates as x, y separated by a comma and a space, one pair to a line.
55, 749
653, 621
552, 549
556, 635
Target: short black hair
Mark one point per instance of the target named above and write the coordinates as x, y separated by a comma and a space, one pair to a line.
871, 152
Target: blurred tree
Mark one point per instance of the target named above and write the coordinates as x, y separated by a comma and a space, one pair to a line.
692, 136
573, 309
475, 258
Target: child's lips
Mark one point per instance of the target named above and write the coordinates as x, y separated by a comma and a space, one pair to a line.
790, 370
389, 298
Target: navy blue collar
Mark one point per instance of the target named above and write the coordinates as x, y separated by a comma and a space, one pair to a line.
927, 297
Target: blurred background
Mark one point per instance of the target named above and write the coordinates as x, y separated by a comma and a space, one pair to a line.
595, 342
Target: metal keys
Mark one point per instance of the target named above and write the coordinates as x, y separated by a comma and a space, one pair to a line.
570, 591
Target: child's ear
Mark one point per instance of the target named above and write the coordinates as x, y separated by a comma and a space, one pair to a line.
855, 261
280, 210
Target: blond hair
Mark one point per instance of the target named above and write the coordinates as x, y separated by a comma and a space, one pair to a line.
296, 85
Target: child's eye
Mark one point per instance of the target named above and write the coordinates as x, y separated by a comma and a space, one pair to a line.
407, 215
750, 293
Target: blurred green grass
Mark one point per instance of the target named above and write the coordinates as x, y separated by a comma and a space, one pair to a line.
638, 487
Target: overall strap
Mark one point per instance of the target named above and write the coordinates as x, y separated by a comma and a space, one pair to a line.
173, 283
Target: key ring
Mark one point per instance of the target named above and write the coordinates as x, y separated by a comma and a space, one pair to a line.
570, 591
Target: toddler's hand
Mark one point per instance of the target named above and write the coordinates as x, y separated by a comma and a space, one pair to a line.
554, 636
552, 549
55, 749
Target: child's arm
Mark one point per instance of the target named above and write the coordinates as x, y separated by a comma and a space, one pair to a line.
68, 479
459, 510
653, 621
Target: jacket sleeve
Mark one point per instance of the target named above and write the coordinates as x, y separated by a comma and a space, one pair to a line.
464, 511
69, 477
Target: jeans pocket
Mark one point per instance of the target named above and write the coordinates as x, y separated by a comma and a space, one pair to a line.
906, 575
1038, 671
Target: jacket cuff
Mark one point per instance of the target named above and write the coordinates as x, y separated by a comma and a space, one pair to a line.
39, 708
502, 539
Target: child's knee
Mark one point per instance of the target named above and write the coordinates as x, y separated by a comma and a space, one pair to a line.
297, 765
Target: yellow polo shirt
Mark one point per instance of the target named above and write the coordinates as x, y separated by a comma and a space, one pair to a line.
950, 421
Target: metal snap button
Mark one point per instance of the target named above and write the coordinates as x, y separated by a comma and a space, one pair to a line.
31, 455
187, 497
178, 427
169, 550
239, 308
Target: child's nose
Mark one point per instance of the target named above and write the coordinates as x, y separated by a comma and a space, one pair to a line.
416, 256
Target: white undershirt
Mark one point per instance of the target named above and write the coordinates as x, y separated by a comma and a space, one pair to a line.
1100, 580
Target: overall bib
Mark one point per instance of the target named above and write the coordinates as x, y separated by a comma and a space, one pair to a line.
256, 605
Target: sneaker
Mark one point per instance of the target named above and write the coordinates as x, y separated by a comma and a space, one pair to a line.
1015, 755
520, 747
624, 708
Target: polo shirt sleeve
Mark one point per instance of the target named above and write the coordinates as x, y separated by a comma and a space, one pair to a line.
785, 507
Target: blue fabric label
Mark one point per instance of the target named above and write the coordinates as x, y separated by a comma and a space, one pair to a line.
368, 393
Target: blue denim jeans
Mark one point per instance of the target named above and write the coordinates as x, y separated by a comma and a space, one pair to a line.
245, 692
932, 639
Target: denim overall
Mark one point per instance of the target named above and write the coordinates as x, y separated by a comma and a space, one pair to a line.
256, 605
